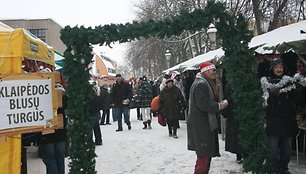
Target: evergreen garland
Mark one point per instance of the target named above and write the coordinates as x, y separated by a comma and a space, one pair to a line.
238, 63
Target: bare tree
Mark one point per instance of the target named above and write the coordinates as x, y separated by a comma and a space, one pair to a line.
266, 14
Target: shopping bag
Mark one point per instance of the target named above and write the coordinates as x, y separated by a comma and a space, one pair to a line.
155, 103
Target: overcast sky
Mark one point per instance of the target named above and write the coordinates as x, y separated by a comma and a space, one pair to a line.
74, 12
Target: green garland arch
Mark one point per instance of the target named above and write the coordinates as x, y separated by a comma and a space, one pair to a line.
238, 63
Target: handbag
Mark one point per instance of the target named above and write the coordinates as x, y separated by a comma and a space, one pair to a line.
133, 104
161, 119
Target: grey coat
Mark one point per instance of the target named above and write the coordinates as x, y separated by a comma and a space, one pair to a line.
201, 130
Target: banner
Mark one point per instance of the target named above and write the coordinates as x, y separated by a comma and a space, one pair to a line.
25, 102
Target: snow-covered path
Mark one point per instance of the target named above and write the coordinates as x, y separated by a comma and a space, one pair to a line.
147, 151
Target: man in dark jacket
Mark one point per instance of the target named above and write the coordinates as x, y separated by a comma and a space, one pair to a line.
202, 125
121, 96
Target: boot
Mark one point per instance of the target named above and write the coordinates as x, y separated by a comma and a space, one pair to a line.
145, 125
174, 134
170, 131
149, 124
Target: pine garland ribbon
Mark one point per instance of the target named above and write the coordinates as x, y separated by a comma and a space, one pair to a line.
239, 62
286, 84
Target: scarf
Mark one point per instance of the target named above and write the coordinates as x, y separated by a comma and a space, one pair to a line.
213, 93
212, 83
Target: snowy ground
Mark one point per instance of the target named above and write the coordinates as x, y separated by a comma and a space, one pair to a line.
141, 151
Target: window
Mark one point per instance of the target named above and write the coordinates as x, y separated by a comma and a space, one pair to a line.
40, 33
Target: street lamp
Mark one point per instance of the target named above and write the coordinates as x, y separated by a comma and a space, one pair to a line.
212, 35
168, 56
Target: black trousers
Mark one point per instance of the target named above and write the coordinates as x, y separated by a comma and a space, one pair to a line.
105, 114
172, 126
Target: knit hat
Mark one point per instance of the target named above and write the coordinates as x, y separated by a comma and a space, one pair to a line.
169, 80
174, 74
275, 62
205, 66
118, 75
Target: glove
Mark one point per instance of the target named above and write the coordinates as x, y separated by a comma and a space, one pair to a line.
299, 87
303, 73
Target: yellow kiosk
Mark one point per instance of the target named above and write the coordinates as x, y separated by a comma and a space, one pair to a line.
21, 55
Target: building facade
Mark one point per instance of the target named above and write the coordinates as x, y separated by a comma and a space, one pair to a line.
45, 29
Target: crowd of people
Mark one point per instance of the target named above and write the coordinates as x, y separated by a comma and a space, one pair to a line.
192, 96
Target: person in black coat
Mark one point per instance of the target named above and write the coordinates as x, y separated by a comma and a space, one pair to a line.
170, 104
105, 95
94, 110
121, 95
53, 146
280, 117
232, 143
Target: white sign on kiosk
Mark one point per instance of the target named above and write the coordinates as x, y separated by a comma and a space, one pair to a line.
25, 103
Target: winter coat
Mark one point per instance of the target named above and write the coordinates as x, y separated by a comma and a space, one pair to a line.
106, 100
94, 107
121, 91
202, 106
171, 101
144, 95
187, 82
179, 84
232, 125
280, 112
156, 90
60, 134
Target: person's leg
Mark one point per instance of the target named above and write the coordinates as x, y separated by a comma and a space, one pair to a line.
202, 165
48, 156
145, 114
148, 113
107, 115
170, 127
144, 118
114, 114
273, 150
138, 113
175, 126
285, 153
60, 156
238, 158
103, 118
118, 112
97, 132
126, 113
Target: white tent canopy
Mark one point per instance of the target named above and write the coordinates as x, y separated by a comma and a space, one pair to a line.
280, 40
58, 60
194, 62
4, 27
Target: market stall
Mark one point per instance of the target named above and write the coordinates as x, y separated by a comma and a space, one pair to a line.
28, 96
281, 40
